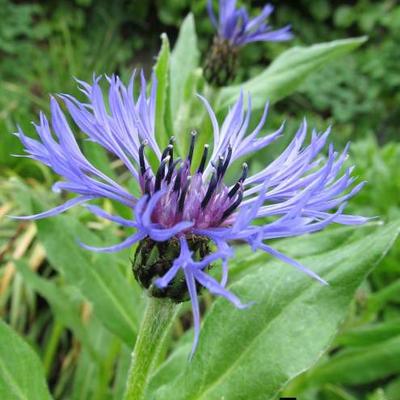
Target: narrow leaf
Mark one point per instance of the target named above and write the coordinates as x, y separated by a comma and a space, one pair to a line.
21, 372
161, 70
254, 353
184, 60
357, 366
288, 71
97, 276
67, 312
367, 335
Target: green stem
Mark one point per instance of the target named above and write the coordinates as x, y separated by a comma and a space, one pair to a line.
154, 329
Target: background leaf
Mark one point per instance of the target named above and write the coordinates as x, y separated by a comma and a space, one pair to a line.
367, 335
161, 70
360, 365
92, 379
98, 276
21, 373
184, 77
67, 311
184, 60
287, 72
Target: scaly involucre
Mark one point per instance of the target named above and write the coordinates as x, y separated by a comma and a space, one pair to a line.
299, 192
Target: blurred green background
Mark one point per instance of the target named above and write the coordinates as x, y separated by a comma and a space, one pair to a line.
44, 44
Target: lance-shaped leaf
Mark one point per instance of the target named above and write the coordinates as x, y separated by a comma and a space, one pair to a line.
21, 372
184, 60
254, 353
288, 71
97, 276
161, 71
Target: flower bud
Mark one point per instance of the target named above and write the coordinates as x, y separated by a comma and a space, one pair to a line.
221, 62
154, 259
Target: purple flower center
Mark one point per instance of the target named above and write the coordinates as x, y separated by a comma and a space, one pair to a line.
190, 196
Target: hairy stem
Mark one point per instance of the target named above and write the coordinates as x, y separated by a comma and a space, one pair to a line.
153, 332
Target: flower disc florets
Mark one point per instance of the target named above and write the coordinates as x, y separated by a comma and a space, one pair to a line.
187, 195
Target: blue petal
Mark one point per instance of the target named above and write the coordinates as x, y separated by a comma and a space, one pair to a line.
128, 242
56, 210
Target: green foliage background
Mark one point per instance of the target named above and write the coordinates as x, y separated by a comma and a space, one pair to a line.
80, 328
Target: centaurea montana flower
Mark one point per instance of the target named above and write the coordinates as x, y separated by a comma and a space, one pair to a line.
234, 30
187, 211
235, 26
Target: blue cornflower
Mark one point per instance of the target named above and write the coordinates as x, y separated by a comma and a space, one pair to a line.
188, 212
235, 25
235, 29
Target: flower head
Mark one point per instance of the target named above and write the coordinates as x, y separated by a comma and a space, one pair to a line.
235, 29
235, 25
187, 214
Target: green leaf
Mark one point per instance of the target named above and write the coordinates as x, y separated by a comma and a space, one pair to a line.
161, 70
184, 60
288, 71
379, 394
21, 372
170, 368
357, 366
380, 298
121, 372
367, 335
393, 389
92, 379
331, 392
97, 276
67, 311
189, 118
254, 353
301, 246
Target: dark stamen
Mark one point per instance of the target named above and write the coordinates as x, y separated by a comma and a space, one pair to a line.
147, 186
245, 170
227, 160
203, 159
177, 183
238, 184
210, 190
181, 202
160, 174
171, 169
220, 167
141, 157
232, 207
233, 191
191, 148
171, 153
166, 151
